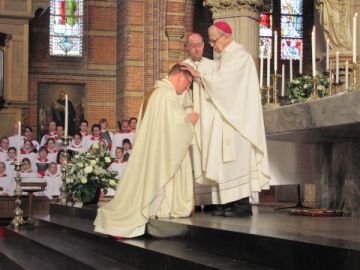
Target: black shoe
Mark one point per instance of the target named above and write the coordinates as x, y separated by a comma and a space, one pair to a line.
239, 209
221, 208
198, 208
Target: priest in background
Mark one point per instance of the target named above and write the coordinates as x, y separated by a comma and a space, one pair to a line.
237, 156
200, 102
158, 180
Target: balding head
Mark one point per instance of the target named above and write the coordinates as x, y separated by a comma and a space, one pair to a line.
195, 46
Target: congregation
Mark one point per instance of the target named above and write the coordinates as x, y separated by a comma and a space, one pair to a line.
44, 161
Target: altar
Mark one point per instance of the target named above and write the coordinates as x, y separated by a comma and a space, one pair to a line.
324, 134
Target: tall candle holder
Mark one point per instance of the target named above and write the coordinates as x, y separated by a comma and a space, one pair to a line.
18, 219
275, 78
329, 73
354, 76
268, 105
314, 95
63, 191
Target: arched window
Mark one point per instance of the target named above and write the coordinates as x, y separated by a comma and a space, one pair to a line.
66, 28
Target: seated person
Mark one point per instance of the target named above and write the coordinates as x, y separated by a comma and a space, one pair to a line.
127, 149
10, 160
28, 136
4, 146
52, 150
53, 181
50, 134
15, 138
60, 160
7, 182
27, 170
59, 136
28, 151
85, 135
76, 145
95, 138
42, 162
117, 166
105, 134
132, 124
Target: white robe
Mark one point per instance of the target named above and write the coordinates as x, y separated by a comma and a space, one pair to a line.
237, 154
7, 182
118, 139
53, 184
158, 178
200, 147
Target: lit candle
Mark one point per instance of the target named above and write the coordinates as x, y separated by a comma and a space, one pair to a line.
291, 70
327, 54
313, 52
337, 67
346, 75
268, 71
275, 51
66, 117
261, 69
18, 144
282, 80
354, 37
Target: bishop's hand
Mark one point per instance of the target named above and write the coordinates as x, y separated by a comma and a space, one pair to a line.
189, 68
193, 117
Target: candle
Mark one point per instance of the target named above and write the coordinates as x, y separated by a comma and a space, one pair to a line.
66, 117
337, 67
275, 52
291, 70
346, 75
327, 54
313, 52
261, 69
283, 80
268, 71
300, 65
18, 144
354, 38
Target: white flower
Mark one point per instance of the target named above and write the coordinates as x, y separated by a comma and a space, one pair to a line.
320, 87
95, 146
88, 169
112, 182
305, 86
83, 180
80, 165
107, 159
92, 161
69, 180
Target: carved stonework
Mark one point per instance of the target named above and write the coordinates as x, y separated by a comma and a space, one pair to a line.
221, 8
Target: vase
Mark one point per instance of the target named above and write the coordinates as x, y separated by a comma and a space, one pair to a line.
88, 200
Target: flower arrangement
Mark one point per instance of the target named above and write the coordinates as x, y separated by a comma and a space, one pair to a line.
87, 174
300, 89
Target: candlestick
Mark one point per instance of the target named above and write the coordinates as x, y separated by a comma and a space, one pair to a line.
66, 117
268, 71
275, 78
354, 37
313, 43
337, 68
18, 143
327, 54
18, 218
282, 80
63, 198
261, 69
275, 51
291, 70
347, 75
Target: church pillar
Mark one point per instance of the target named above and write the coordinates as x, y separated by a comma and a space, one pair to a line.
175, 30
243, 17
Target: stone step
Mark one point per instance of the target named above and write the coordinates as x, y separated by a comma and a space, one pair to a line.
264, 240
141, 253
18, 251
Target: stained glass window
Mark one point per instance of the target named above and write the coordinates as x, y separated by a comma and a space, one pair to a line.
66, 28
265, 34
291, 29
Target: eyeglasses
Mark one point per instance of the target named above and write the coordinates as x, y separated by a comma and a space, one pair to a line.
196, 46
213, 42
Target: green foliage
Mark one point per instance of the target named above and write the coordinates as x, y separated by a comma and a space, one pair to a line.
300, 89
